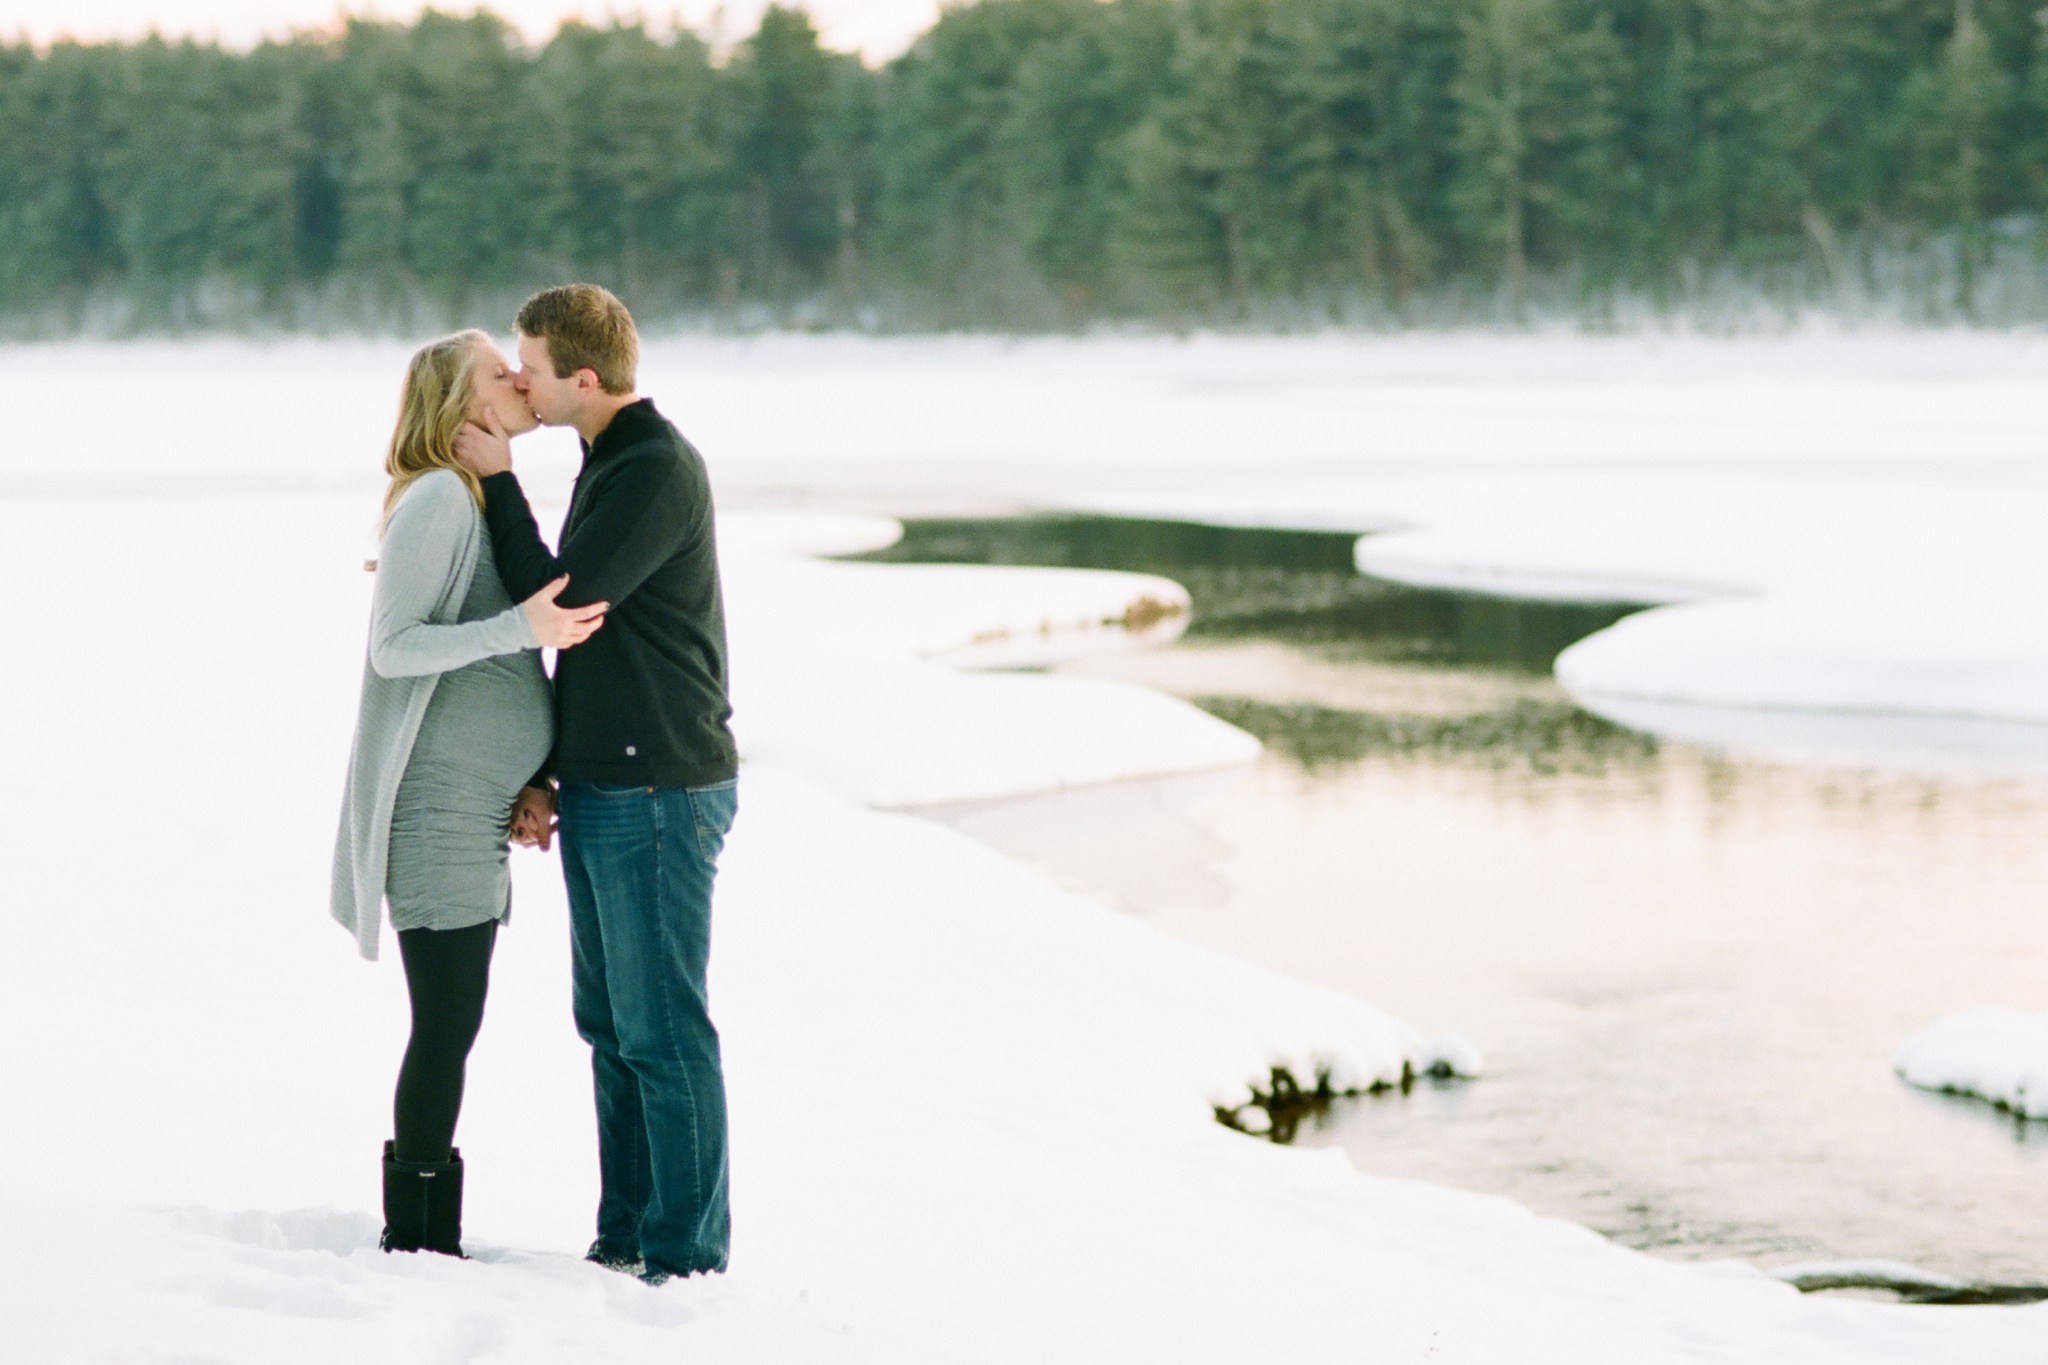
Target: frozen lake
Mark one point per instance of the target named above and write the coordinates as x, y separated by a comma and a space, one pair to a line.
1687, 972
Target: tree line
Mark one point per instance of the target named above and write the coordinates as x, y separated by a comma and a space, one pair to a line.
1051, 163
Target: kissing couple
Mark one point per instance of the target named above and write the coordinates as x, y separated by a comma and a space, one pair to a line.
462, 747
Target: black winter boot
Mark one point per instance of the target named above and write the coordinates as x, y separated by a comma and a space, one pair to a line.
423, 1204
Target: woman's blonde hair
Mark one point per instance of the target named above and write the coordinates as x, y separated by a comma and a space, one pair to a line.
440, 385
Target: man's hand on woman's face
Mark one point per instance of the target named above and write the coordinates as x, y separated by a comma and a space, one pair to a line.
484, 450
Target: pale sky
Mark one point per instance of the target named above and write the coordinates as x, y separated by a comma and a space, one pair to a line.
877, 28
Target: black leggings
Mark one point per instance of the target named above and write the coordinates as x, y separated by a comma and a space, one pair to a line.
446, 974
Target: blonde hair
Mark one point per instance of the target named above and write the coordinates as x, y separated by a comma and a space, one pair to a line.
440, 386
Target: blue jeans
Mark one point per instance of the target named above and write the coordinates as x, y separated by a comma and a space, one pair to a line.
639, 862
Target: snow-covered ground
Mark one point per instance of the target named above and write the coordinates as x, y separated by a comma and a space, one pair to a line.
971, 1113
1993, 1053
1846, 524
874, 702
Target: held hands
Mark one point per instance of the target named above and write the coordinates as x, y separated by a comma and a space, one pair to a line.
561, 627
484, 450
533, 818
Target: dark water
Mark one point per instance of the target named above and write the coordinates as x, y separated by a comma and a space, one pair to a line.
1297, 586
1687, 972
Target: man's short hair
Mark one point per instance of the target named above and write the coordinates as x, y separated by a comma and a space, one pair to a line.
585, 328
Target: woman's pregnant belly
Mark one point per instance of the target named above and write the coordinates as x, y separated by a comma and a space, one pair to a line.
491, 723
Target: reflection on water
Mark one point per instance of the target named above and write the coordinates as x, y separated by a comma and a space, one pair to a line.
1687, 973
1297, 586
1543, 736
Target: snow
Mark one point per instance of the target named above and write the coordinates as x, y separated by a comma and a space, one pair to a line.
1449, 1055
1994, 1053
971, 1113
851, 673
1846, 524
1175, 412
1901, 596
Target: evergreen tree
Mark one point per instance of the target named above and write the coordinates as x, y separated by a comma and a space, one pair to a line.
623, 175
1954, 110
1045, 162
947, 199
1536, 95
376, 169
1077, 96
61, 239
782, 85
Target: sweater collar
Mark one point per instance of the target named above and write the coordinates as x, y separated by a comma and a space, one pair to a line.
629, 425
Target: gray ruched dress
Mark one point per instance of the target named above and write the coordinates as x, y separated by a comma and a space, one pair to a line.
486, 732
487, 735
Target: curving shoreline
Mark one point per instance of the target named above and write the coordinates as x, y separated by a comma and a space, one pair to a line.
1903, 603
973, 1109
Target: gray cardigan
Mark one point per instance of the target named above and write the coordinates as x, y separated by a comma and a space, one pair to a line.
429, 555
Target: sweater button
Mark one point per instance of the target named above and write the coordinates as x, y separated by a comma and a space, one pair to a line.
630, 751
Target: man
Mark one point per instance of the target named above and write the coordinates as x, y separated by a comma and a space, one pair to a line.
645, 765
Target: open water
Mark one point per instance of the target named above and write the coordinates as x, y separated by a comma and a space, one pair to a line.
1687, 971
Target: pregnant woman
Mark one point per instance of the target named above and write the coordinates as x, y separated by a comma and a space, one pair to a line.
456, 716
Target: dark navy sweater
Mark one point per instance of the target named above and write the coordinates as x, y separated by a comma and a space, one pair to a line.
643, 701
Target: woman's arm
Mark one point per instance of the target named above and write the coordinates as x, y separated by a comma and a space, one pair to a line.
421, 552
